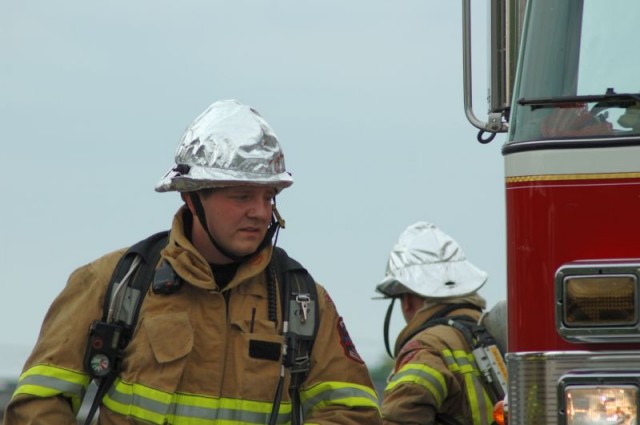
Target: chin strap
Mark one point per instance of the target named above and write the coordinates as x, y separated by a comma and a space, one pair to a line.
274, 227
387, 322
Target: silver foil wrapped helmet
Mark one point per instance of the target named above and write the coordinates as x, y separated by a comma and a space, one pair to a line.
428, 262
229, 144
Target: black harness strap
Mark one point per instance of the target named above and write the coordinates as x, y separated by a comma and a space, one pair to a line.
441, 313
149, 252
297, 287
440, 318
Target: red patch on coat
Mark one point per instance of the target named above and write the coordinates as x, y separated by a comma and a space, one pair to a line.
347, 344
407, 353
328, 298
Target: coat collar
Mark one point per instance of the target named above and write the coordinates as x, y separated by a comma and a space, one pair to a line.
191, 266
425, 314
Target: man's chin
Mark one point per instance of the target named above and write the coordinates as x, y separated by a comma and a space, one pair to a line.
243, 251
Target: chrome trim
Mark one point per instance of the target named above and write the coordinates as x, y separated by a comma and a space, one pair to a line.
534, 379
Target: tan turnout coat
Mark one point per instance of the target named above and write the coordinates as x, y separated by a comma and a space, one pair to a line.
189, 360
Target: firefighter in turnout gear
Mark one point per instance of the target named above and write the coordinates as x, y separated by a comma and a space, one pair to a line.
434, 379
209, 347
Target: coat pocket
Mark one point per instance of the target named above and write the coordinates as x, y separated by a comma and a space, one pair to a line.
158, 353
259, 368
170, 336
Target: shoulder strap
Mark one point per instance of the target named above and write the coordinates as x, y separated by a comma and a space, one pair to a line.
453, 307
148, 252
440, 318
298, 296
301, 318
120, 311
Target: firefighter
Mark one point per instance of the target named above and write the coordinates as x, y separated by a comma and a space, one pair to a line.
434, 379
208, 352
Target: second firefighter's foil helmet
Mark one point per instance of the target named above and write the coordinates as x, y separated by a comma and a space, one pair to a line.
428, 262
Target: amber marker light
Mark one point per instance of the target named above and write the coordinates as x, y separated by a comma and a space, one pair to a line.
598, 301
499, 414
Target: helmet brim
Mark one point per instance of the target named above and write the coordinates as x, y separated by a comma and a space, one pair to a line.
199, 178
439, 280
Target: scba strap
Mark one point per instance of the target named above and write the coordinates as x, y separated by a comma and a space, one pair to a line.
440, 318
109, 337
300, 311
439, 314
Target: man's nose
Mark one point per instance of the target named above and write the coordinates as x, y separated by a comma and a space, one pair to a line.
261, 208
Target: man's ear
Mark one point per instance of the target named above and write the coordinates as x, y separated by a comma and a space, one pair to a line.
186, 197
410, 304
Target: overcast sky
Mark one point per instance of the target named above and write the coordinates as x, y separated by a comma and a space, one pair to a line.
365, 97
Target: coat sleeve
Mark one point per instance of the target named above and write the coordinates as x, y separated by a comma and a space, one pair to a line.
338, 389
53, 381
419, 387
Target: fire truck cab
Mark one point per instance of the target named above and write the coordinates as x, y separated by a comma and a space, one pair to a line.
565, 88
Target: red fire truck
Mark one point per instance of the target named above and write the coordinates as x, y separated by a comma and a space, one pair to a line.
565, 88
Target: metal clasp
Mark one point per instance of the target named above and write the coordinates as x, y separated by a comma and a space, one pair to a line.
303, 301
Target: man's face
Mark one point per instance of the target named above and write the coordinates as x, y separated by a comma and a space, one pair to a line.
238, 217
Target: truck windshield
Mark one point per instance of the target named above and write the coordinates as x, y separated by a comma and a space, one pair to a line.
578, 71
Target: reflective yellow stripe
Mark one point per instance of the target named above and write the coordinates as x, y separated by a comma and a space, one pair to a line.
478, 400
462, 362
51, 381
331, 393
459, 361
159, 407
423, 375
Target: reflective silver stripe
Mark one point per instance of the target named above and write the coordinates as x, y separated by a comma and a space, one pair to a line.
463, 363
56, 384
459, 361
481, 412
186, 412
184, 409
419, 372
50, 381
343, 396
451, 362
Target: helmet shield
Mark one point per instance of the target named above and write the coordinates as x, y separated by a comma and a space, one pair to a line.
428, 262
229, 144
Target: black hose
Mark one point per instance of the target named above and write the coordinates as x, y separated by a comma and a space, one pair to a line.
488, 139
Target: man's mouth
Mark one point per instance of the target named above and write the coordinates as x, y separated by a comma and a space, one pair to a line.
250, 230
